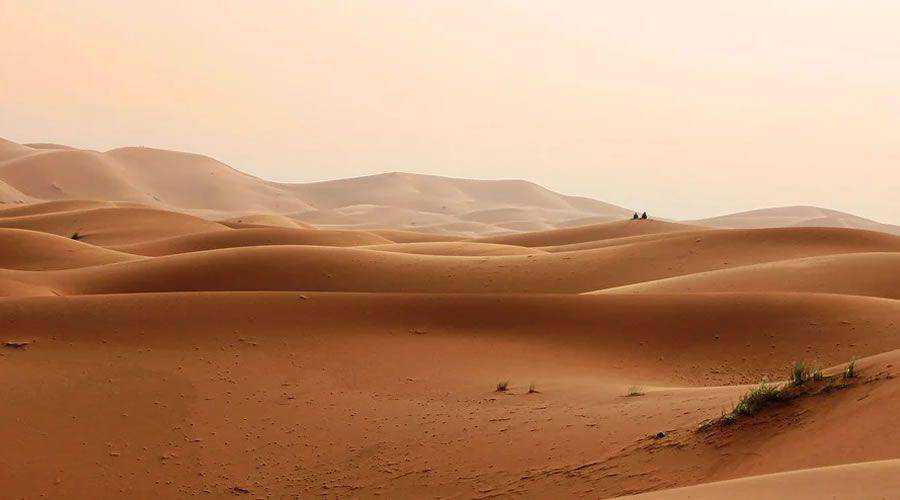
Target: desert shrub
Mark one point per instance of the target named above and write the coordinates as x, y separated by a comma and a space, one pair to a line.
635, 391
757, 399
800, 373
503, 386
850, 371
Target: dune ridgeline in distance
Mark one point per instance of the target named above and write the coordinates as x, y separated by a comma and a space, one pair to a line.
173, 327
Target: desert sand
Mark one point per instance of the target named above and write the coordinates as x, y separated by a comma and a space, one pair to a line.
175, 328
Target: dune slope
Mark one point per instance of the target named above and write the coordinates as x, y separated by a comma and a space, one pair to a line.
317, 268
874, 274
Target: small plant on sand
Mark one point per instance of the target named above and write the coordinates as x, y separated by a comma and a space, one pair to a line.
758, 398
503, 386
635, 390
76, 236
817, 375
850, 371
532, 389
800, 373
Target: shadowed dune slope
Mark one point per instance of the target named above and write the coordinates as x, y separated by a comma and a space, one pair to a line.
582, 234
361, 270
878, 479
234, 238
113, 225
874, 274
33, 250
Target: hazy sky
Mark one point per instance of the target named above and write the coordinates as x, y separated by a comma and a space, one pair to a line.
687, 108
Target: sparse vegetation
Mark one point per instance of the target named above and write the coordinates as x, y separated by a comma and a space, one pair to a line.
850, 371
766, 394
532, 389
503, 386
635, 390
758, 398
76, 236
800, 373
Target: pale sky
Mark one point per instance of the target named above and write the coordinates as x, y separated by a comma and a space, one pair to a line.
686, 109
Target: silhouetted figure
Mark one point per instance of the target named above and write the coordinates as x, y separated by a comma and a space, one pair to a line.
635, 216
644, 216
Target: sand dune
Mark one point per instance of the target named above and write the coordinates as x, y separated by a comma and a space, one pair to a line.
112, 225
10, 150
874, 274
255, 237
862, 480
154, 177
264, 220
592, 233
443, 195
203, 186
458, 248
177, 384
53, 207
362, 270
398, 236
32, 250
799, 216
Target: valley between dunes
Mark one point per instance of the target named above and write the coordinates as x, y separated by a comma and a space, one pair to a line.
281, 341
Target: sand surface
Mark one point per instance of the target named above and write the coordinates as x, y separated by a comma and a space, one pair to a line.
174, 328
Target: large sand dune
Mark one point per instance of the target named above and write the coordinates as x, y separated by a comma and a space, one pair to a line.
279, 393
173, 327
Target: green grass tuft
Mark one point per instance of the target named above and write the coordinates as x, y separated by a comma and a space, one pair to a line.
758, 398
800, 373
